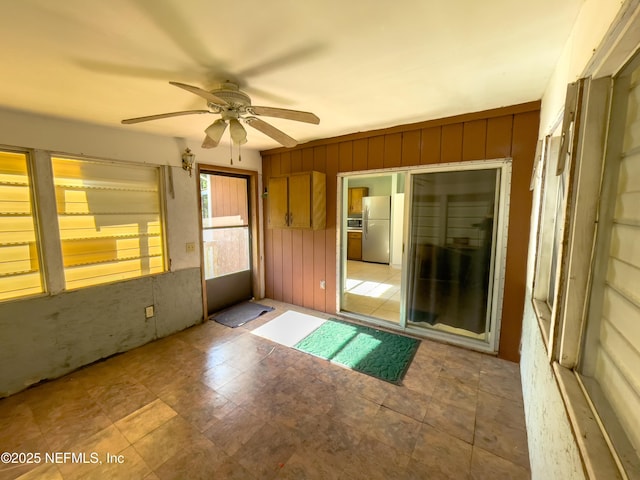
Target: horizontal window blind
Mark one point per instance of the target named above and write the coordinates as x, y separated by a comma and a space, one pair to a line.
110, 221
19, 265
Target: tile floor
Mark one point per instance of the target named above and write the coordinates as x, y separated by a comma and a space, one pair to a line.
217, 403
373, 289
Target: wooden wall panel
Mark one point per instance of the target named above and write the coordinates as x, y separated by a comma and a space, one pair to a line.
319, 270
499, 131
360, 154
392, 150
523, 147
285, 163
268, 233
287, 266
345, 157
410, 148
296, 161
333, 152
375, 157
307, 159
474, 140
307, 257
277, 252
430, 145
451, 146
297, 267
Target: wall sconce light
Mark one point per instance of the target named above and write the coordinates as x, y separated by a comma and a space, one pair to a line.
187, 160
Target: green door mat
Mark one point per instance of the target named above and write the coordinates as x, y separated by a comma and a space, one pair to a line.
380, 354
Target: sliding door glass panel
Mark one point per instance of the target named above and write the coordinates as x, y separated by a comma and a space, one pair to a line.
453, 218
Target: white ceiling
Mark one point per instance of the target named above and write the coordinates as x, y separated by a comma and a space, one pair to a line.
357, 64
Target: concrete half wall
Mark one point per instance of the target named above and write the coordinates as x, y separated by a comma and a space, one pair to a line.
49, 336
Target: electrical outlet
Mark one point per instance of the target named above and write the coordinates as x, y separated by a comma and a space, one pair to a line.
148, 311
191, 247
323, 284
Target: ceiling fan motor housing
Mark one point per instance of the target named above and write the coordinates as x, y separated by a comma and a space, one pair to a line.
230, 93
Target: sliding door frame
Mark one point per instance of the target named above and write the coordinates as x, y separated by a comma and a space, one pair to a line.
498, 259
498, 254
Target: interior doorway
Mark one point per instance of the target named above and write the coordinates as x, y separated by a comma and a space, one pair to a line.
228, 240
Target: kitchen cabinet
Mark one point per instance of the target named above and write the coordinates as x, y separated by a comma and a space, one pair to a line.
355, 199
297, 200
354, 245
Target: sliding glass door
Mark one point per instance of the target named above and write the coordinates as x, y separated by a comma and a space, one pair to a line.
442, 272
454, 218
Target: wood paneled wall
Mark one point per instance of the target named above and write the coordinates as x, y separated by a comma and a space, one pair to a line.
297, 260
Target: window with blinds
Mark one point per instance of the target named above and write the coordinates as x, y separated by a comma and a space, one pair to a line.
611, 348
110, 221
19, 262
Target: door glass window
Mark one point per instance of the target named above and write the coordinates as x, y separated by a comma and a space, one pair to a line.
225, 222
452, 225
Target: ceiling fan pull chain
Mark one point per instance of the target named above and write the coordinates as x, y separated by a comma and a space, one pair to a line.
231, 152
239, 153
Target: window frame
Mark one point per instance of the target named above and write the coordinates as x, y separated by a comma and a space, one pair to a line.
45, 214
31, 176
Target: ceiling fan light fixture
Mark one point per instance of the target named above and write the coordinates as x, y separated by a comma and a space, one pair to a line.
237, 131
215, 130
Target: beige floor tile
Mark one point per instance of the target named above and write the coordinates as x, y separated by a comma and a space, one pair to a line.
486, 466
145, 420
446, 456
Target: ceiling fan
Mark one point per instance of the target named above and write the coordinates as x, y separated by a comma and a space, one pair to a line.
233, 105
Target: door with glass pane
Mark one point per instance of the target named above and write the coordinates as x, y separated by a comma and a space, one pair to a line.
452, 251
226, 239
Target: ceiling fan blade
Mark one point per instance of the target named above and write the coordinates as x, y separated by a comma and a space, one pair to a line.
296, 115
215, 130
128, 121
203, 93
271, 131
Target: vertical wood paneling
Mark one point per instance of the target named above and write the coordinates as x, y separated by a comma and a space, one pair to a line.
308, 260
360, 153
333, 152
345, 157
410, 148
297, 267
287, 266
375, 157
296, 161
499, 131
431, 140
474, 140
268, 234
285, 163
451, 146
319, 269
307, 159
277, 264
320, 159
525, 137
392, 150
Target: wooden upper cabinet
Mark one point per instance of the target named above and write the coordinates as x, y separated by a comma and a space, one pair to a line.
355, 199
298, 200
278, 202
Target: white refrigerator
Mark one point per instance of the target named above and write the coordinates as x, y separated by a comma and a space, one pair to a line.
376, 222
